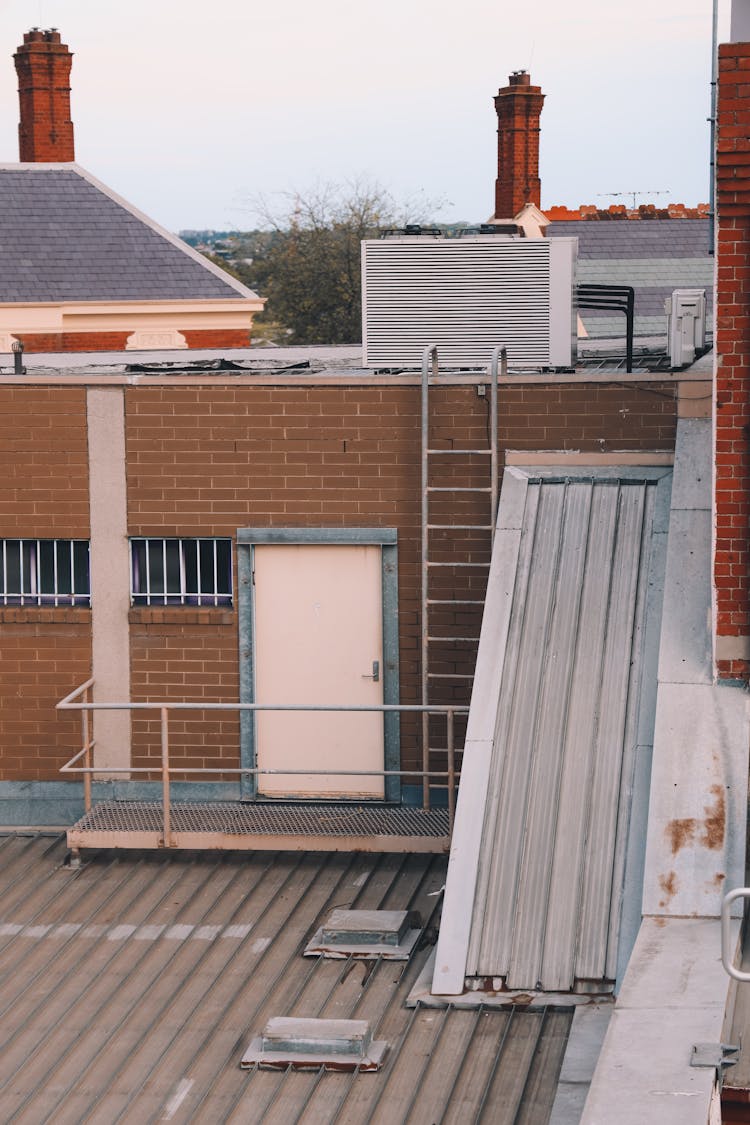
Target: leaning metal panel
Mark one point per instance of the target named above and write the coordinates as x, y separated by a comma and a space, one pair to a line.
551, 864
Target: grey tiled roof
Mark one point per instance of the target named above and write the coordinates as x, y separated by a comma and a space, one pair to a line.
655, 256
64, 238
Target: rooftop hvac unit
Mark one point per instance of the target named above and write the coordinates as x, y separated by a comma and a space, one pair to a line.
686, 325
468, 296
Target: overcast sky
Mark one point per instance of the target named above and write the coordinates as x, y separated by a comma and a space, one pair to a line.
190, 109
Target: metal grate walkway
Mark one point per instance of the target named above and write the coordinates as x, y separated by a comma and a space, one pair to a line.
276, 826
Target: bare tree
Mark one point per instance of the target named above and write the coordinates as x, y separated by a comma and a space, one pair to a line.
310, 272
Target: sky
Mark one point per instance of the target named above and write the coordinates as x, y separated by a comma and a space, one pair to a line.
193, 110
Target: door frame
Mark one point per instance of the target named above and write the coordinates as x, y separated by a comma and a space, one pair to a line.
248, 538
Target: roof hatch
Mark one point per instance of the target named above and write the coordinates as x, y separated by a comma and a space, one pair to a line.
306, 1044
391, 934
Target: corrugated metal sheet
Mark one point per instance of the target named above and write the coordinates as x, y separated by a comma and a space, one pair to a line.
547, 902
131, 988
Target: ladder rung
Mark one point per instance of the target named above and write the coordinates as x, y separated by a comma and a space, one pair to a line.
462, 488
456, 452
484, 564
450, 640
455, 601
450, 675
459, 527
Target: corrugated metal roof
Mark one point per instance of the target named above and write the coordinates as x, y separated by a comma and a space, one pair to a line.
552, 855
132, 987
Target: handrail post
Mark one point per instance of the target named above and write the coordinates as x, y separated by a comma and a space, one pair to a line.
87, 756
451, 772
165, 777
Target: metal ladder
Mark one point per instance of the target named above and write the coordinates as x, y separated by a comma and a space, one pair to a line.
430, 565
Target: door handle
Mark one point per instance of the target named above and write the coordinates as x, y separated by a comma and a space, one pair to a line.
375, 674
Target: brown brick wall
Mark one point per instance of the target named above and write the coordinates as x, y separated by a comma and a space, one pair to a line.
40, 342
217, 337
207, 460
44, 459
210, 460
44, 654
73, 341
731, 557
178, 656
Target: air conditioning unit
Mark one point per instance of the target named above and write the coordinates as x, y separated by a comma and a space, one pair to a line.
686, 325
469, 295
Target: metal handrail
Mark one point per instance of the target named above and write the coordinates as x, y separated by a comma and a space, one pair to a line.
80, 700
727, 952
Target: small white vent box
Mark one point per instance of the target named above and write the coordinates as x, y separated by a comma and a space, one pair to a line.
468, 296
686, 325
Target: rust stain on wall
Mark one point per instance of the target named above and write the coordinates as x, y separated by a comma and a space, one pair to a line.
714, 825
669, 885
680, 833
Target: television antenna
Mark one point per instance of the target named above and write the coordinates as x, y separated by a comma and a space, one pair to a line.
621, 194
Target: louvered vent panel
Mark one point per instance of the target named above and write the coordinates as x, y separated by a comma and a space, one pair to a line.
465, 295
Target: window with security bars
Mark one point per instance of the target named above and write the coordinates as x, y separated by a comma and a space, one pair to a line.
48, 572
181, 572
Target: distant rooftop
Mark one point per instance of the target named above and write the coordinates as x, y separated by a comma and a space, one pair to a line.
65, 237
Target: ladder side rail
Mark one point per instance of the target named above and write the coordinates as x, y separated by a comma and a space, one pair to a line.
429, 367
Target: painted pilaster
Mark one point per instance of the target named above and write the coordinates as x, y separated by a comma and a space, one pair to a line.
110, 572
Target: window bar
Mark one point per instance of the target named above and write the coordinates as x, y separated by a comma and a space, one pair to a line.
148, 571
5, 573
55, 585
72, 574
20, 564
216, 576
181, 550
35, 567
165, 596
198, 570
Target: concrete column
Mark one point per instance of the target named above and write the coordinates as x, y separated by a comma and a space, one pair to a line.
110, 572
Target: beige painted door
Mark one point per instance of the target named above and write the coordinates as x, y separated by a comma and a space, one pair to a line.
318, 634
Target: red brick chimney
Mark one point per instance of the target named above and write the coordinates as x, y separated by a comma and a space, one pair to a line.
518, 107
43, 63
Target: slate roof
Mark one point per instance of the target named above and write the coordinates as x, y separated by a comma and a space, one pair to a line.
656, 256
66, 237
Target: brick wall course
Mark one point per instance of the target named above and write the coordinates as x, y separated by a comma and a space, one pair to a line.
41, 662
44, 455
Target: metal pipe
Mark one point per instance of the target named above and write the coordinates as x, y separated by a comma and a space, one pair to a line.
165, 777
727, 952
500, 354
712, 120
87, 747
451, 773
254, 770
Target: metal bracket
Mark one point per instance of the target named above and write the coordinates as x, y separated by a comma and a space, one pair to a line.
714, 1055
